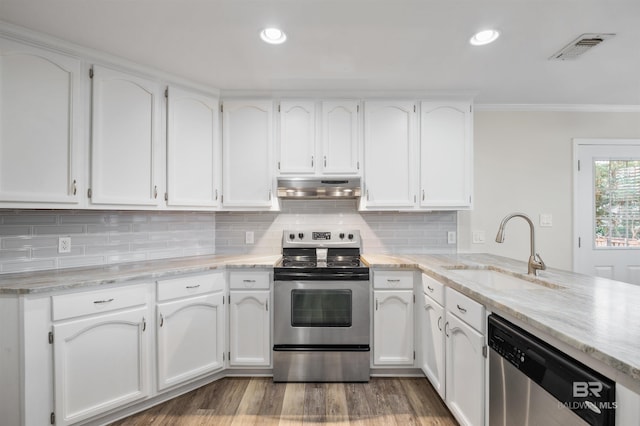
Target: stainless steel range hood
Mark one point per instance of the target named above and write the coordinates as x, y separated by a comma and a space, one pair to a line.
319, 188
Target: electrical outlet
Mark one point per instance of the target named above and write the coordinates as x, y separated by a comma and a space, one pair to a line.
248, 237
64, 245
477, 237
451, 237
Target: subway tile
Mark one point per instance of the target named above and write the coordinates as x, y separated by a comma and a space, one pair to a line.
89, 239
128, 237
126, 257
30, 218
6, 230
81, 218
106, 249
148, 246
28, 265
27, 242
51, 252
58, 229
20, 254
74, 262
109, 227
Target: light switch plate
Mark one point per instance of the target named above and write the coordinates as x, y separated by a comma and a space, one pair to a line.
451, 237
546, 219
248, 237
477, 237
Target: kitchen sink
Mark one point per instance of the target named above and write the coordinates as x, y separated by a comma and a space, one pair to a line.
499, 280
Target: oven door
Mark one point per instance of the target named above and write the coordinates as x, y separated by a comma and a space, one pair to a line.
321, 313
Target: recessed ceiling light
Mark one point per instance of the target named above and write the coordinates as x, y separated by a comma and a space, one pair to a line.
484, 37
273, 35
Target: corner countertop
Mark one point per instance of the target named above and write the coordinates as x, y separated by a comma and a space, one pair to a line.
597, 316
73, 278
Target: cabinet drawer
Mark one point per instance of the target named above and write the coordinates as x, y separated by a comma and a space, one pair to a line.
393, 279
94, 302
433, 288
244, 280
466, 309
190, 286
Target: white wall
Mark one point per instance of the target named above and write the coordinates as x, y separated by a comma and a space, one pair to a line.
523, 162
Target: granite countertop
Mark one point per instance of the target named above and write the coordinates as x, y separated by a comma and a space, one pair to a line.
67, 279
596, 316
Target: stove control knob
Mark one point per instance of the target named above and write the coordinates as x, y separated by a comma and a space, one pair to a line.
301, 235
342, 235
350, 236
292, 236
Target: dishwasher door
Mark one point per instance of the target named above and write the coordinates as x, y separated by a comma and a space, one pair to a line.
532, 383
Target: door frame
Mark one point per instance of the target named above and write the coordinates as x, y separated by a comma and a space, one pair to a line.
577, 142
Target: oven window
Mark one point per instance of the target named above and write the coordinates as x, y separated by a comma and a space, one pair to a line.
321, 308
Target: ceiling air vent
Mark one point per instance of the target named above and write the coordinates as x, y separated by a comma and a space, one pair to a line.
579, 46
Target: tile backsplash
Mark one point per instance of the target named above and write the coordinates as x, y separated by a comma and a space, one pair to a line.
29, 238
382, 232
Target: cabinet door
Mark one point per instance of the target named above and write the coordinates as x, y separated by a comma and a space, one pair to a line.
433, 343
125, 150
249, 338
100, 363
193, 149
446, 156
389, 150
247, 140
40, 126
340, 137
393, 328
465, 365
190, 338
297, 137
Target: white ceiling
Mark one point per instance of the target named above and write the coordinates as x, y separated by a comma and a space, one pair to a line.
363, 45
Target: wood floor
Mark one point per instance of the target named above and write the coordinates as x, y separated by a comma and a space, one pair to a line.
259, 401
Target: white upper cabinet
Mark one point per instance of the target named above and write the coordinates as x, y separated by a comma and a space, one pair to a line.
125, 148
40, 127
446, 156
193, 150
297, 137
389, 153
340, 137
247, 146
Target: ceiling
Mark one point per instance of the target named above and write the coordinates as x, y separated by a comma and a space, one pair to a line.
364, 45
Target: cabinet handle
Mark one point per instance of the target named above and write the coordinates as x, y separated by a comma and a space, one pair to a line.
216, 195
161, 320
423, 195
269, 195
461, 309
144, 324
439, 327
376, 304
155, 191
367, 195
103, 301
312, 161
75, 187
389, 280
193, 286
446, 326
325, 161
430, 289
267, 305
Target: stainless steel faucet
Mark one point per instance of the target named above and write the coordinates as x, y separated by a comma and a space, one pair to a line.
535, 261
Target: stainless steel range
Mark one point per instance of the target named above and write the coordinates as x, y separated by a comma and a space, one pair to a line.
321, 309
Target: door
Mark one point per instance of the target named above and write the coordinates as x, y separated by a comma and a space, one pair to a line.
297, 137
393, 328
193, 149
250, 328
125, 150
190, 338
445, 154
433, 343
465, 377
40, 126
247, 138
340, 137
100, 363
607, 209
389, 150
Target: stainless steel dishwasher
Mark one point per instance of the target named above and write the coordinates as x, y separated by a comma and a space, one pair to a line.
533, 383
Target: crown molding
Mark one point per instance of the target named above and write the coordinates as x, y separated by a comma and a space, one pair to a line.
557, 107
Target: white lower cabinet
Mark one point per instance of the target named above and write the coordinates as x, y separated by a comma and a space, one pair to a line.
453, 350
250, 318
101, 360
190, 329
393, 300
